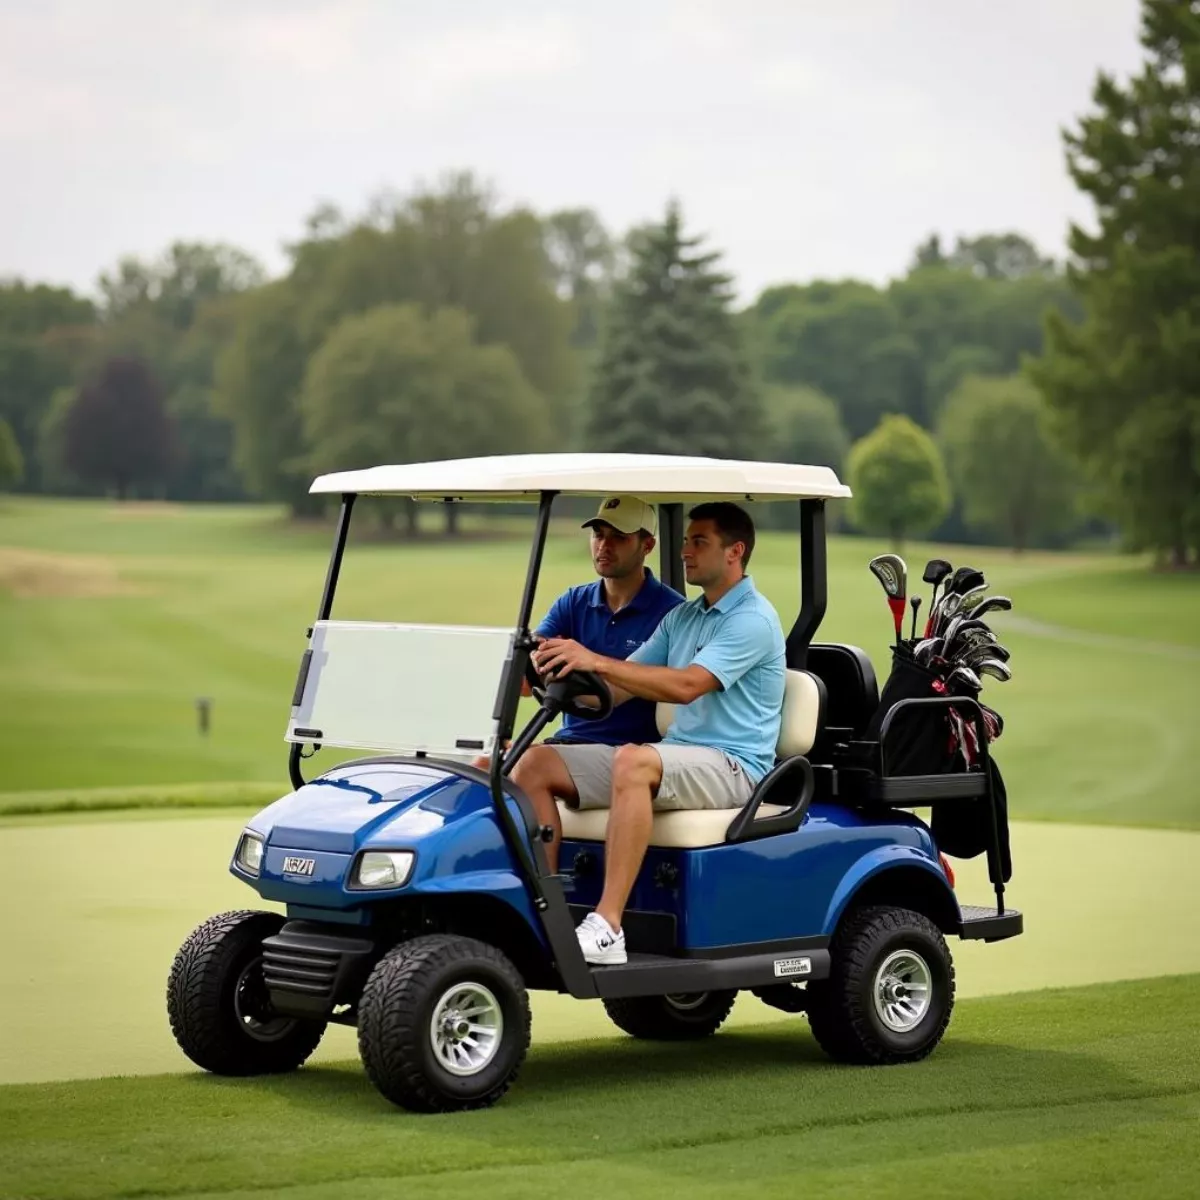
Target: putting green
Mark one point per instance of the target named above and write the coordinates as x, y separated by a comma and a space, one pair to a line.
95, 909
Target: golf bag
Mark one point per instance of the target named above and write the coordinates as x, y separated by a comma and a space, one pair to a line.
937, 740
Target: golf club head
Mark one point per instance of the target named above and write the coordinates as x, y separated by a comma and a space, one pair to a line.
995, 668
965, 579
991, 604
923, 651
965, 679
892, 574
936, 569
972, 656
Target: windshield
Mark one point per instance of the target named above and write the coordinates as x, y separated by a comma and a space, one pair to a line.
402, 688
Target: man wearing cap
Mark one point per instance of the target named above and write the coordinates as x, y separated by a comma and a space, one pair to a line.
614, 615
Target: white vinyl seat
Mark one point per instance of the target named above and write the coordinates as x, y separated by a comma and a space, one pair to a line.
690, 829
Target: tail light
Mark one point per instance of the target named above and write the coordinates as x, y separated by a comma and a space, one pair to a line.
947, 868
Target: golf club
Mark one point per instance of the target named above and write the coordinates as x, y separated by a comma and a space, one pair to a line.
936, 569
916, 604
892, 573
991, 604
966, 678
995, 668
978, 654
955, 602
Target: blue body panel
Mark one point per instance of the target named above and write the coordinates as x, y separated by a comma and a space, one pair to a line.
446, 820
787, 886
791, 885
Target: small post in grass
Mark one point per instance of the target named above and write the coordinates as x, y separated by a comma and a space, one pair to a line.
203, 714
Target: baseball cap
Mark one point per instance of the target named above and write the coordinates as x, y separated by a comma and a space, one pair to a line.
626, 514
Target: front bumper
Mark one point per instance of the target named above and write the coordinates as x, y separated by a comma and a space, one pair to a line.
311, 970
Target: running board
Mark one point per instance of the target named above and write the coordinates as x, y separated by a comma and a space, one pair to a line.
661, 975
988, 925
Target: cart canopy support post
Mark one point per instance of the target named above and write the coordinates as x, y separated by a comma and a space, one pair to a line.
814, 588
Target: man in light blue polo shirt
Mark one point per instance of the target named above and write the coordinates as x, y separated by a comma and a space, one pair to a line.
720, 658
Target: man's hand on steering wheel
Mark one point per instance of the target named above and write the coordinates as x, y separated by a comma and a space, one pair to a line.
558, 657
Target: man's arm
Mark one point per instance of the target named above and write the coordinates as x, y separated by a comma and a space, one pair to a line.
649, 681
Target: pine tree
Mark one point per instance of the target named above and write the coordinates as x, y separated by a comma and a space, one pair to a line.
1125, 384
672, 377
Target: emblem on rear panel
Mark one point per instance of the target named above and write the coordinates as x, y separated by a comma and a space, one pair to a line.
306, 866
792, 966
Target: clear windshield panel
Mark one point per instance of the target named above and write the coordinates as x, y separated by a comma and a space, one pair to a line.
402, 688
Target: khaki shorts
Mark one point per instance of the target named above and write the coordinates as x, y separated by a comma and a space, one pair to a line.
693, 776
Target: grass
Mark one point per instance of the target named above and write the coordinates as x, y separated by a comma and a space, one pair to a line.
1062, 1093
106, 899
115, 618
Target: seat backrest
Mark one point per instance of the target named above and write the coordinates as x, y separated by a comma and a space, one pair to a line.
849, 679
802, 718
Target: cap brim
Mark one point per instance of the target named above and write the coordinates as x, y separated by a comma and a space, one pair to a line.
594, 521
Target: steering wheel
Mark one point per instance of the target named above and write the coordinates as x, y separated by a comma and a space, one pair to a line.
565, 695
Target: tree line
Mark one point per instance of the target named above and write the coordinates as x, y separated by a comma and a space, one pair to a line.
989, 392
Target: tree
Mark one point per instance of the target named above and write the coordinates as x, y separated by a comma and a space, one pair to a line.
175, 285
395, 385
1002, 459
12, 463
1124, 384
258, 379
1000, 256
672, 376
898, 481
117, 433
846, 340
805, 427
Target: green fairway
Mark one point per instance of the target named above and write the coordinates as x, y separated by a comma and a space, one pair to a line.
97, 909
114, 618
1059, 1094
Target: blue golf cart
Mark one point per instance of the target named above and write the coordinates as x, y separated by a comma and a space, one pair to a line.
418, 903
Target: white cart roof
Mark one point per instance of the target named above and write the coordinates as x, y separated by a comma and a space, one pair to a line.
659, 478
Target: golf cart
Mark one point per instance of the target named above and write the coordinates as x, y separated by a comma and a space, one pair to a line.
419, 906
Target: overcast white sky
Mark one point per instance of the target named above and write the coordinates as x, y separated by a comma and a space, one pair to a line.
808, 138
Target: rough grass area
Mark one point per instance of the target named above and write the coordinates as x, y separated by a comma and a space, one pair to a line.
248, 796
213, 601
1083, 1092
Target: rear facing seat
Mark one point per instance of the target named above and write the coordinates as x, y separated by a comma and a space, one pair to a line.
689, 829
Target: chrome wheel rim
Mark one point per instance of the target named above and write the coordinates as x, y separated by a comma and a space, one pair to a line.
902, 991
252, 1006
466, 1028
686, 1001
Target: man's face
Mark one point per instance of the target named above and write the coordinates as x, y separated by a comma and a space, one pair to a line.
705, 560
616, 555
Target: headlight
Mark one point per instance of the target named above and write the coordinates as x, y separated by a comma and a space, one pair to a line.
249, 853
383, 868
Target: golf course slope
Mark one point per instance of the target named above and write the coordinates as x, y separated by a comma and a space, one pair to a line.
1074, 1092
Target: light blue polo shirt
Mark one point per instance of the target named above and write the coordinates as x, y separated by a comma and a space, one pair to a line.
739, 639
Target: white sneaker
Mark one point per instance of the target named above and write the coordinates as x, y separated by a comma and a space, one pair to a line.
600, 943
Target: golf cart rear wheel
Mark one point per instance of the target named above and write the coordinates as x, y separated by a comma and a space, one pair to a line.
443, 1024
671, 1018
218, 1004
890, 990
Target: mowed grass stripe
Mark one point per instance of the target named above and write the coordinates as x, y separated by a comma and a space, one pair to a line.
1071, 1082
214, 602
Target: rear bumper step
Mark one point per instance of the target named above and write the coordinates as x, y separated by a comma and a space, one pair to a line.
988, 925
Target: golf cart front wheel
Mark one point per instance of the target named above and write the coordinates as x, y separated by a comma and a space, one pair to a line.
671, 1018
443, 1024
218, 1004
890, 990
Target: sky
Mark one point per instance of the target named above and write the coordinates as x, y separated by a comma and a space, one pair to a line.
805, 138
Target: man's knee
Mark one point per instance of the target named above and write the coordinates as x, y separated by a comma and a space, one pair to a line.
541, 769
636, 767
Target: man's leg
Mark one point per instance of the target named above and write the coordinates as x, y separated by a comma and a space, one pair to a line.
543, 776
637, 771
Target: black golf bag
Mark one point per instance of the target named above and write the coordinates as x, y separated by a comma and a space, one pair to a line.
940, 740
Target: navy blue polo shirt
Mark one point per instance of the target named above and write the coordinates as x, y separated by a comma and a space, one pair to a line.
582, 614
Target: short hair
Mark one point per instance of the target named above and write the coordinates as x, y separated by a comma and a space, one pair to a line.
733, 524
